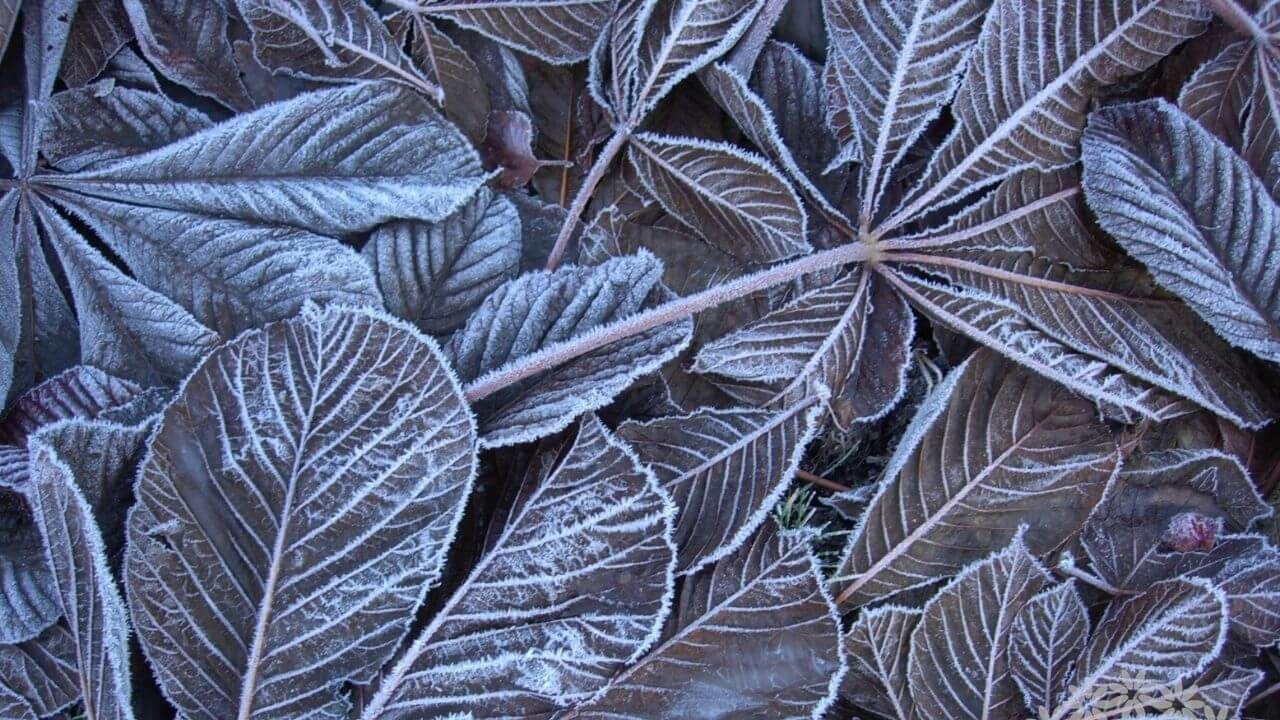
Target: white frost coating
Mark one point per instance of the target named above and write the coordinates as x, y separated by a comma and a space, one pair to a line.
341, 161
578, 584
540, 311
1171, 631
1047, 640
28, 603
1148, 169
230, 275
86, 126
1252, 587
82, 391
709, 664
90, 601
187, 41
330, 456
436, 274
733, 199
959, 668
963, 481
725, 469
731, 91
126, 328
891, 66
654, 45
877, 647
329, 40
556, 31
42, 670
1218, 92
1029, 81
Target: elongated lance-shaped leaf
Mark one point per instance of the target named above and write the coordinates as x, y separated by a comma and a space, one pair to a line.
96, 124
576, 584
230, 275
733, 199
732, 93
42, 671
12, 705
1116, 318
28, 601
790, 84
441, 61
960, 665
994, 446
45, 27
891, 66
8, 18
764, 606
334, 161
11, 295
1190, 209
187, 42
295, 505
1048, 638
1218, 94
877, 647
90, 601
436, 274
79, 392
98, 31
540, 311
1002, 326
125, 328
1024, 95
1035, 213
725, 469
48, 332
557, 31
853, 335
654, 44
1165, 634
1124, 537
329, 40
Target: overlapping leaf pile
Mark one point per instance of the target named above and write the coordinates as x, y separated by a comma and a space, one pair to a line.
413, 359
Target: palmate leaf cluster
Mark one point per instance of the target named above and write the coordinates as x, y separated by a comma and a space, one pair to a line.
425, 359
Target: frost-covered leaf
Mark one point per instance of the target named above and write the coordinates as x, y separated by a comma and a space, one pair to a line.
42, 671
187, 41
1048, 637
435, 274
329, 40
335, 161
1190, 209
994, 447
750, 112
558, 31
1219, 92
47, 329
90, 600
725, 469
877, 648
13, 706
441, 61
1037, 213
891, 66
11, 295
733, 199
852, 335
576, 584
1124, 536
790, 85
45, 26
538, 312
1227, 683
1147, 642
100, 28
1133, 355
103, 122
125, 328
28, 603
8, 18
79, 392
1252, 585
654, 44
960, 666
229, 274
764, 606
294, 507
1030, 78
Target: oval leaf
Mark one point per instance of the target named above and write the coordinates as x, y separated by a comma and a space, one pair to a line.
294, 507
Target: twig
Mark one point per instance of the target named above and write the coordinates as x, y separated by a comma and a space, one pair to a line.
821, 481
